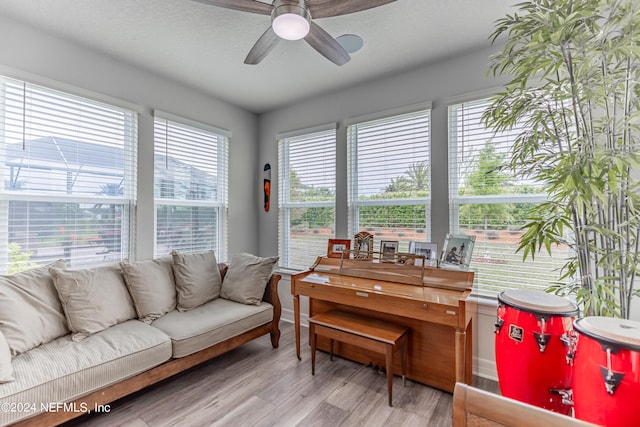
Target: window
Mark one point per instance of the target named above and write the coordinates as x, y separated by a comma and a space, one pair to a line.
190, 186
69, 172
307, 189
488, 203
390, 178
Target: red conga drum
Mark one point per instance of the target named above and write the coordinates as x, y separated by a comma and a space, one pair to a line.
532, 343
606, 377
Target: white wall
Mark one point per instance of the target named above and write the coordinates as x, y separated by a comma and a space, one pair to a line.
32, 55
441, 84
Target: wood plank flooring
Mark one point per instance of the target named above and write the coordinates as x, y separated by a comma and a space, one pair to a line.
256, 385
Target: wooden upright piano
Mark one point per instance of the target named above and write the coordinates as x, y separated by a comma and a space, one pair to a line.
432, 303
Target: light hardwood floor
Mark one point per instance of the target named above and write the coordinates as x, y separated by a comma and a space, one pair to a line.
256, 385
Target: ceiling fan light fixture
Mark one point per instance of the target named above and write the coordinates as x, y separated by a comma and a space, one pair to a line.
291, 21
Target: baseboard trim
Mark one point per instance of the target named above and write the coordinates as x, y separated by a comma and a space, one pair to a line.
287, 316
485, 368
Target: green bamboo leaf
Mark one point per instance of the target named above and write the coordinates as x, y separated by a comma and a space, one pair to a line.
581, 138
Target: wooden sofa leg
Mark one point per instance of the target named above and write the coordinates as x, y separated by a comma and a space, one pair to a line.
275, 337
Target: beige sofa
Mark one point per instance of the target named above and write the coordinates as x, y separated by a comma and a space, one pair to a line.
71, 341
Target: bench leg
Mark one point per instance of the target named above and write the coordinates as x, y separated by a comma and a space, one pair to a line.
314, 343
331, 350
404, 362
389, 362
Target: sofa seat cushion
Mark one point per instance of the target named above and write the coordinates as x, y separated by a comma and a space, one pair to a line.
6, 368
63, 370
211, 323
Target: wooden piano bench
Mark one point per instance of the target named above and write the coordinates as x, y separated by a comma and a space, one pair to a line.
365, 332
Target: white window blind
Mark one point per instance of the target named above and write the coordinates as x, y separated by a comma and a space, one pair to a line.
389, 172
488, 203
190, 186
306, 188
69, 172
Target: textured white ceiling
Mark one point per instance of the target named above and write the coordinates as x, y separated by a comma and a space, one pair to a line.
204, 46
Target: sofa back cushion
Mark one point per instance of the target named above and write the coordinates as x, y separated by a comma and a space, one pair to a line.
247, 278
93, 298
151, 285
197, 278
6, 370
30, 311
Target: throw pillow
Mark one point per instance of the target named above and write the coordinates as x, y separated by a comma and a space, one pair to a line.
247, 278
30, 311
151, 286
6, 370
93, 298
197, 278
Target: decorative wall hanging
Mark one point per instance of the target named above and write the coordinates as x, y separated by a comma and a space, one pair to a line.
266, 175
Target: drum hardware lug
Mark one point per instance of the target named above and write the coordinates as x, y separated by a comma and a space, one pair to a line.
567, 395
542, 340
570, 356
607, 348
499, 320
611, 379
569, 340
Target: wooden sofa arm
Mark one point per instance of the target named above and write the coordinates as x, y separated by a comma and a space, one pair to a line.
271, 292
223, 269
271, 296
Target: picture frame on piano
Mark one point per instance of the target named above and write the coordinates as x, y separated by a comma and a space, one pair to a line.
388, 249
457, 252
336, 247
427, 249
363, 245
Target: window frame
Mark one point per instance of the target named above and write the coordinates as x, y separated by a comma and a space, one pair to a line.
221, 204
456, 200
69, 100
354, 204
285, 205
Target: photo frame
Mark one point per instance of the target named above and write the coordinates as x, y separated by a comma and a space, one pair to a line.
363, 245
457, 251
427, 249
388, 249
336, 247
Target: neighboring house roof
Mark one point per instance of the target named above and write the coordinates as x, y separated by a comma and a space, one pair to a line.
50, 153
66, 151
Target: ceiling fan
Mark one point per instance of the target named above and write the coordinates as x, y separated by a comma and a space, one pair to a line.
293, 20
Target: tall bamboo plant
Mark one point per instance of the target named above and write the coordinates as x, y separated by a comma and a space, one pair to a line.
574, 69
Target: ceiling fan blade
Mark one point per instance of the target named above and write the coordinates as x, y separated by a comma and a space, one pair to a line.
263, 46
321, 41
243, 5
327, 8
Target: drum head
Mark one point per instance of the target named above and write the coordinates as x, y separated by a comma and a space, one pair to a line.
538, 302
616, 332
